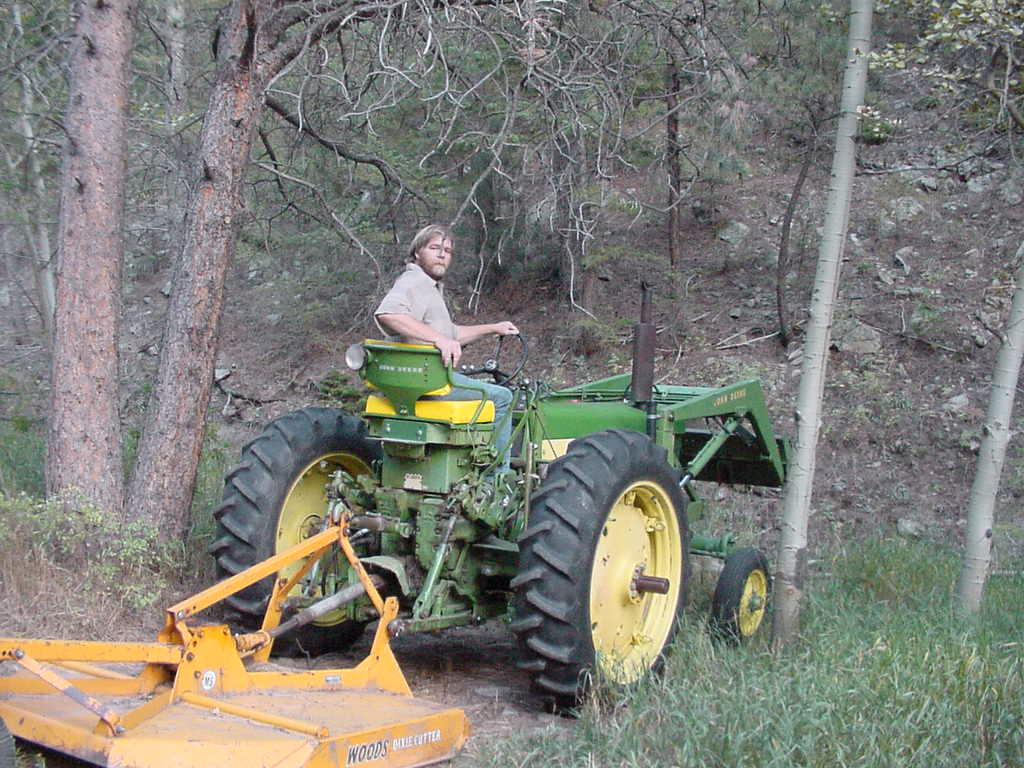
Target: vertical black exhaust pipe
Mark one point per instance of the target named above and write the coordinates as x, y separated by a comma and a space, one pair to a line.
642, 385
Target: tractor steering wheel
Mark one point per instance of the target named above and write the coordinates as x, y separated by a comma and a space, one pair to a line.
493, 366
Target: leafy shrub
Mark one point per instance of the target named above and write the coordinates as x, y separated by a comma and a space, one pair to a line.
336, 390
217, 458
875, 128
69, 567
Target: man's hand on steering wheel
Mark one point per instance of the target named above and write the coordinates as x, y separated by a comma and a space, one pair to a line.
493, 365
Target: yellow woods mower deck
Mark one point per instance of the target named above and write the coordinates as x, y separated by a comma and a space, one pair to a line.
202, 697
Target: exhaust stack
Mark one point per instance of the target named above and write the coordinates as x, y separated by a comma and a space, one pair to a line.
642, 383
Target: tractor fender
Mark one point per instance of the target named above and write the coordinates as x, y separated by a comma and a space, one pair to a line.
392, 565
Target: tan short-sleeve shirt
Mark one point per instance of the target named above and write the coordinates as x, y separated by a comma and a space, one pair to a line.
417, 294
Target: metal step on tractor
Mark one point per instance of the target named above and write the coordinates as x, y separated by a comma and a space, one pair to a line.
404, 515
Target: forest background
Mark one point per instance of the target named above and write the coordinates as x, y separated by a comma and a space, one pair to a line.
578, 149
278, 159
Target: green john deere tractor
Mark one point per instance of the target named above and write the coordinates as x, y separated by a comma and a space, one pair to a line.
583, 545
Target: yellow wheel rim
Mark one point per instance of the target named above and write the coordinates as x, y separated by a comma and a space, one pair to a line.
752, 603
630, 627
304, 507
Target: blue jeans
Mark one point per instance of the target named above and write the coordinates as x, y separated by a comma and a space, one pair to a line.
468, 388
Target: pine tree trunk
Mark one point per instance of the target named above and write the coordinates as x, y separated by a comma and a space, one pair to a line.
84, 440
164, 477
782, 268
792, 559
566, 234
253, 46
996, 436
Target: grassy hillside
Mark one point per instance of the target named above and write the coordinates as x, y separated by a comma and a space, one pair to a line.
886, 674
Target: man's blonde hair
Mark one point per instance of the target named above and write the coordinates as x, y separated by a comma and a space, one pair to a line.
425, 235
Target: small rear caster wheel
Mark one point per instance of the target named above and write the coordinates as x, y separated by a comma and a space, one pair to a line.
741, 596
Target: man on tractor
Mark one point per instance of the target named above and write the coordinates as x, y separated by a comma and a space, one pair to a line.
414, 312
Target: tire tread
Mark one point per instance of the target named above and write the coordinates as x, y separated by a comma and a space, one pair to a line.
253, 495
567, 515
729, 590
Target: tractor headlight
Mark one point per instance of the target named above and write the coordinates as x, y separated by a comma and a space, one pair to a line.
355, 356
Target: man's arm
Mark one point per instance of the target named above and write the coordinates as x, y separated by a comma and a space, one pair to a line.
470, 333
408, 327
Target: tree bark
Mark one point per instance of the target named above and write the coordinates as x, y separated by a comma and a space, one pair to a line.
253, 46
164, 477
675, 185
9, 275
84, 439
175, 193
792, 559
561, 178
782, 268
996, 436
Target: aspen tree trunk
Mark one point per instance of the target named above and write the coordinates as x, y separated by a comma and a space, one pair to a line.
995, 436
673, 87
38, 233
84, 439
792, 558
175, 193
9, 288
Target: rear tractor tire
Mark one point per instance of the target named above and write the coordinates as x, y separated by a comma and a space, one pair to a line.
740, 603
604, 566
275, 499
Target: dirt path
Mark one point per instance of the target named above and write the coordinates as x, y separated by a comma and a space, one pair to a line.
470, 668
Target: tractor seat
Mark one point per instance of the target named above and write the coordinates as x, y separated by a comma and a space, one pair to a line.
452, 411
408, 377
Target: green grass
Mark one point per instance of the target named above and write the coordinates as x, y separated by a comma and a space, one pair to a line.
886, 674
22, 451
215, 461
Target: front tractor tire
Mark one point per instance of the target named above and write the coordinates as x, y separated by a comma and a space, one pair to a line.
604, 566
740, 602
275, 499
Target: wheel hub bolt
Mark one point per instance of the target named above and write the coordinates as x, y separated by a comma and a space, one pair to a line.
654, 584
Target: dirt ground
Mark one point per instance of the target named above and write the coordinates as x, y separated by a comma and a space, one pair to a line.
472, 669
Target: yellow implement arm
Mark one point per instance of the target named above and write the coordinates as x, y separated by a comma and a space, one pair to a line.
202, 697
